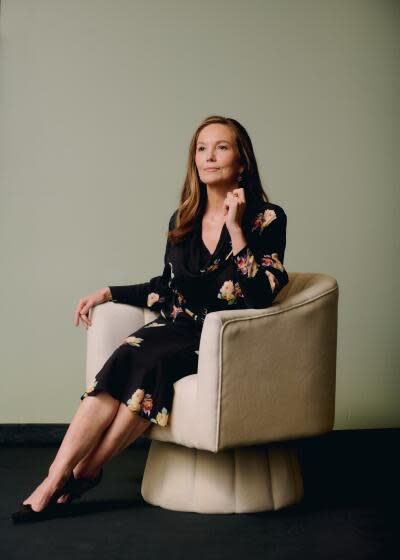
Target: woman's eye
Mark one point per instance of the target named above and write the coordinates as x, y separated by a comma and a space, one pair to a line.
200, 148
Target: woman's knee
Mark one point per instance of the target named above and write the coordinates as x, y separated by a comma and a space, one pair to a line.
107, 402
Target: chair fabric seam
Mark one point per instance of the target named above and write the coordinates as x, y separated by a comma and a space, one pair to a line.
302, 304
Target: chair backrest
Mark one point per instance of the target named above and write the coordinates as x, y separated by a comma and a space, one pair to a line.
304, 286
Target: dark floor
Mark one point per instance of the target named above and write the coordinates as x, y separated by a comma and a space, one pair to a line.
350, 510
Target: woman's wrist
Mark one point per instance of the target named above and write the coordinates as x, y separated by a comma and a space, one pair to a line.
107, 294
238, 240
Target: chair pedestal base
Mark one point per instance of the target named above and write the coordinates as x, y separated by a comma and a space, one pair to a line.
242, 480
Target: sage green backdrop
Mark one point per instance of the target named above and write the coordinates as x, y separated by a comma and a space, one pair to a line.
98, 103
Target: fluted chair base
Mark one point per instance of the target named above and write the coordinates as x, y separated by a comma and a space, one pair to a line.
242, 480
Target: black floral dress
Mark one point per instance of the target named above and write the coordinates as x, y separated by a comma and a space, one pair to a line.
142, 370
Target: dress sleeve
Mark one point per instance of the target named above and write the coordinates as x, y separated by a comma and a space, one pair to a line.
261, 274
151, 294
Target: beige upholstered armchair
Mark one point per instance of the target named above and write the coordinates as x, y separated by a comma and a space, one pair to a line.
265, 377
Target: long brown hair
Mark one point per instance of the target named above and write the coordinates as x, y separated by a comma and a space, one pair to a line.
193, 192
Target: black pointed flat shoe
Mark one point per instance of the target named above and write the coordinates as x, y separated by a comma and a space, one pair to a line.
80, 486
26, 514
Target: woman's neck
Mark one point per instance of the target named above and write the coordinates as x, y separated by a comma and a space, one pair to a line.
214, 206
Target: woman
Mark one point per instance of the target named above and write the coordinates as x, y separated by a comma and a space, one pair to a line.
225, 250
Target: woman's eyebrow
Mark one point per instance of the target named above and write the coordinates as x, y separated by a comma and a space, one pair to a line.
227, 141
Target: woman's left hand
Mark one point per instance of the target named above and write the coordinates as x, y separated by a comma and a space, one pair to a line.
234, 208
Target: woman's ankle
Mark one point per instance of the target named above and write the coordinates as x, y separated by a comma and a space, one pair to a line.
59, 473
86, 471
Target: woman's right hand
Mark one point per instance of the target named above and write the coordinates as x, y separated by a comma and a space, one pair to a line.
86, 303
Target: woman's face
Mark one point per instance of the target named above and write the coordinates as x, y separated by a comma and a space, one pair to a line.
216, 148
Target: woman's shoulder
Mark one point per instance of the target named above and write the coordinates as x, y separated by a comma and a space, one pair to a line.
264, 213
263, 206
172, 220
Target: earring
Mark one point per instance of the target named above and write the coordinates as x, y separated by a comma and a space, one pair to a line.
240, 178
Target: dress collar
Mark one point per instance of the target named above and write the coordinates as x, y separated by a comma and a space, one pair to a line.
198, 261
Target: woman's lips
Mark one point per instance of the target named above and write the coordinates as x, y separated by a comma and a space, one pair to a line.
213, 169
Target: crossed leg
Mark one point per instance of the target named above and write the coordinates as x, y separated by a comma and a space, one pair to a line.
123, 431
94, 415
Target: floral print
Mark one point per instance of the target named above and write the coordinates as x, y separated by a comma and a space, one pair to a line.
272, 260
262, 220
142, 403
248, 266
175, 311
230, 292
189, 312
147, 404
201, 276
193, 283
181, 299
213, 266
134, 403
161, 418
90, 387
246, 262
133, 340
138, 377
272, 280
201, 315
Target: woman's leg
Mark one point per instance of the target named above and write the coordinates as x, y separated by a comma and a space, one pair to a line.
91, 419
125, 429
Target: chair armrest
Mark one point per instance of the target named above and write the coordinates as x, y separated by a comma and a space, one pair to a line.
111, 322
269, 374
